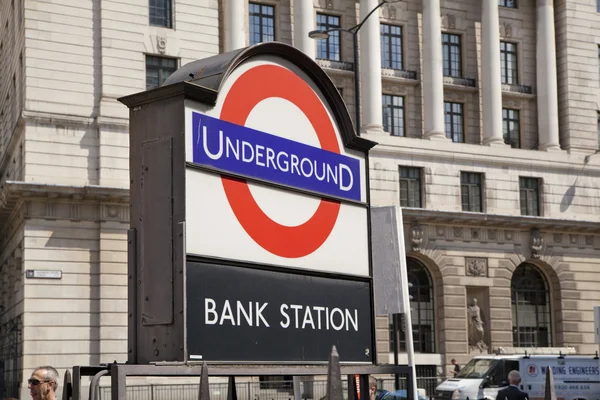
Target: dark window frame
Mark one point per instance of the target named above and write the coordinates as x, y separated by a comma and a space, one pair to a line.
411, 179
530, 196
328, 47
390, 107
454, 117
422, 303
263, 22
598, 126
161, 68
509, 75
508, 3
392, 49
160, 13
450, 51
471, 191
511, 118
529, 288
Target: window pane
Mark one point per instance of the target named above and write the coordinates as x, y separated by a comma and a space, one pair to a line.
391, 46
509, 63
262, 23
410, 187
393, 114
529, 193
158, 69
454, 121
471, 191
328, 49
530, 308
422, 306
160, 13
511, 127
452, 57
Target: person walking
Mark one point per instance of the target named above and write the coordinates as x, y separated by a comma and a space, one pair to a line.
512, 392
456, 369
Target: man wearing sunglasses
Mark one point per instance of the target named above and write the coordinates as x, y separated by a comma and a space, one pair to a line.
43, 383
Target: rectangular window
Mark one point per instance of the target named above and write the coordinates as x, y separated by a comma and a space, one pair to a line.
451, 50
507, 3
328, 49
511, 127
454, 120
391, 46
509, 64
530, 196
599, 53
262, 23
470, 189
393, 115
160, 13
598, 115
597, 5
158, 69
410, 187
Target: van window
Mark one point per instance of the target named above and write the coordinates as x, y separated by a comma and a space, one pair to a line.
477, 368
510, 365
498, 376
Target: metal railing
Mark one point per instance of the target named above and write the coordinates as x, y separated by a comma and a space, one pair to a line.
282, 390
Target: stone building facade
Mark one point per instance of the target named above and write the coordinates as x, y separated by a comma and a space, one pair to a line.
486, 115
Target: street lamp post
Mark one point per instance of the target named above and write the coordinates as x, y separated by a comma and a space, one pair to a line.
324, 34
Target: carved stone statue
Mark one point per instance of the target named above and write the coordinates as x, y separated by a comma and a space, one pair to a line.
476, 330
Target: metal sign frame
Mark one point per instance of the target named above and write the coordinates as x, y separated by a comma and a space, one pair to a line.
157, 239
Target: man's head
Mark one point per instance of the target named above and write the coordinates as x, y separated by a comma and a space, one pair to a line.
514, 377
453, 361
372, 385
43, 383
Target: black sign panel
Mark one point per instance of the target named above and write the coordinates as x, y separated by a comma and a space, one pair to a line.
252, 315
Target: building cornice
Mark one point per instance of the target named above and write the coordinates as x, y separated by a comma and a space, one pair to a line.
12, 191
537, 161
521, 222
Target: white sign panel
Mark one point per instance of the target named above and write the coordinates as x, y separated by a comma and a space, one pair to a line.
269, 179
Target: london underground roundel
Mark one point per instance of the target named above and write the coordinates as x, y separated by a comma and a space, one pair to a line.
269, 179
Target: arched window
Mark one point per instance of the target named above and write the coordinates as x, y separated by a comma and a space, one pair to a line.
422, 309
530, 308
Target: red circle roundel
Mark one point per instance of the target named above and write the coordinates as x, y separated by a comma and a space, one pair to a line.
253, 86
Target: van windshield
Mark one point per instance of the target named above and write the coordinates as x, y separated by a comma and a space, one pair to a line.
477, 368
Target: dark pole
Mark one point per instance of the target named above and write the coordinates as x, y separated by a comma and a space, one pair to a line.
356, 82
395, 348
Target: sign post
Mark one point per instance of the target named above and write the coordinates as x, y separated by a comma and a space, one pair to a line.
391, 277
250, 216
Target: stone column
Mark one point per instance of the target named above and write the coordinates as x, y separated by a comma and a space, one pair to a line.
547, 91
235, 24
433, 72
491, 75
370, 64
304, 22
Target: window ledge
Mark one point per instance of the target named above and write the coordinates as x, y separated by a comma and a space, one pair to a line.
335, 65
401, 75
523, 91
460, 81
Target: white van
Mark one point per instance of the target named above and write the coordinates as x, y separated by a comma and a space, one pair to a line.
575, 377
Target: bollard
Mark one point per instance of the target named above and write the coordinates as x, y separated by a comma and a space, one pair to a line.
203, 391
549, 390
67, 386
231, 390
334, 377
